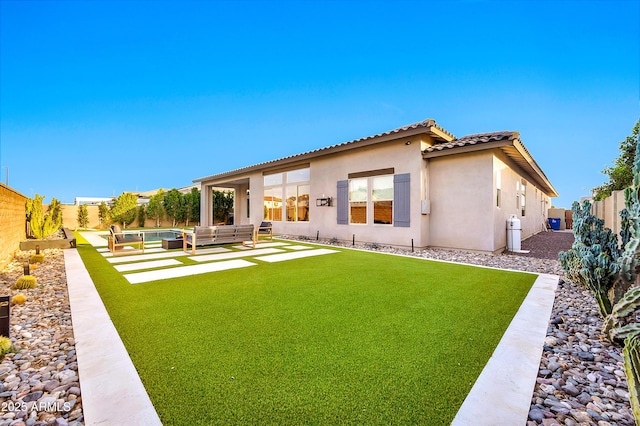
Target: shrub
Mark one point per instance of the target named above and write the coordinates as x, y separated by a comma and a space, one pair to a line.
18, 299
42, 225
5, 345
25, 282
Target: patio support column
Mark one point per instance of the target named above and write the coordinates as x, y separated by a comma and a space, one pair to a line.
206, 218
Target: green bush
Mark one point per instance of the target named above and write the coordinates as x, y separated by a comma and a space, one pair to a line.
42, 225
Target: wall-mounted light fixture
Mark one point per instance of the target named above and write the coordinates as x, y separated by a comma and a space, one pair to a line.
407, 143
323, 202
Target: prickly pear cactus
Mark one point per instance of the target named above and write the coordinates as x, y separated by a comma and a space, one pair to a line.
629, 260
631, 354
624, 316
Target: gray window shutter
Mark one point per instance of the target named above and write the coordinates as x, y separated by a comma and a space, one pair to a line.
343, 202
401, 200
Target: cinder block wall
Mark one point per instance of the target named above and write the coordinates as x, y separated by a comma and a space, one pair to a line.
12, 222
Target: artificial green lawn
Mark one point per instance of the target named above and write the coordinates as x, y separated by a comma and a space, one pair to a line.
345, 338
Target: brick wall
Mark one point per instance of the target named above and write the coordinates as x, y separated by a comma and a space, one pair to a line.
12, 222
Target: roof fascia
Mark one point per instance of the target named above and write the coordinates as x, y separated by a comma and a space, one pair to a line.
535, 171
305, 157
467, 148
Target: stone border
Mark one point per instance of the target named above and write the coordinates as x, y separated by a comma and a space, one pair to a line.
502, 393
112, 392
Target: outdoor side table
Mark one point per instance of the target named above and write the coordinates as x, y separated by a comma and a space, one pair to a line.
171, 243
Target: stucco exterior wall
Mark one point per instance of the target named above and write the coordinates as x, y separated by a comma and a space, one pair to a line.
325, 173
12, 222
462, 201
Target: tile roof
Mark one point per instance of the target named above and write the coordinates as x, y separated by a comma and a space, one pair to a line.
474, 140
427, 123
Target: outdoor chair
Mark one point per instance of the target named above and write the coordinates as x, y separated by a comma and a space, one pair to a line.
119, 239
265, 228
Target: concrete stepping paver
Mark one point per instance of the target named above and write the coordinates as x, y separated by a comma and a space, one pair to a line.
298, 247
184, 271
147, 265
235, 254
295, 255
165, 254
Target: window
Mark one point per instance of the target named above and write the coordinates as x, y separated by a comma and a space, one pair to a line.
388, 195
498, 186
273, 204
358, 191
288, 193
523, 198
298, 203
382, 197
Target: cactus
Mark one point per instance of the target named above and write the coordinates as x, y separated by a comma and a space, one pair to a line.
631, 354
19, 299
36, 258
592, 260
5, 345
599, 271
622, 321
25, 282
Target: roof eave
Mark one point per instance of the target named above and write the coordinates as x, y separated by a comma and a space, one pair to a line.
432, 130
514, 149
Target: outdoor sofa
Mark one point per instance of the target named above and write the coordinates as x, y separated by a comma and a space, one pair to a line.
211, 235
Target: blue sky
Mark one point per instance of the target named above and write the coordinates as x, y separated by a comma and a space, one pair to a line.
98, 98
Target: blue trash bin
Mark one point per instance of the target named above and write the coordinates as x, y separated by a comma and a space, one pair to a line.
555, 223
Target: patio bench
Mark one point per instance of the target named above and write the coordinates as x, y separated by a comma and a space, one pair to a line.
211, 235
118, 239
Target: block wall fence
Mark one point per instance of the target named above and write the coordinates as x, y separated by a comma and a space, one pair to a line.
12, 222
609, 209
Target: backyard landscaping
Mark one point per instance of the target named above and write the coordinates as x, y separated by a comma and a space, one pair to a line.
348, 337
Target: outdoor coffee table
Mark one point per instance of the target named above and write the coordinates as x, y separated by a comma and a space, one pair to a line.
171, 243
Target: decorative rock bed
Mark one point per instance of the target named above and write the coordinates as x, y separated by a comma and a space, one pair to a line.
40, 383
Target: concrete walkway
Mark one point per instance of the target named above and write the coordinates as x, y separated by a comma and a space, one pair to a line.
112, 393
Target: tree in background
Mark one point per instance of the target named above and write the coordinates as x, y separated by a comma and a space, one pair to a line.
222, 206
155, 208
42, 225
124, 209
83, 216
174, 206
104, 214
193, 206
142, 215
621, 173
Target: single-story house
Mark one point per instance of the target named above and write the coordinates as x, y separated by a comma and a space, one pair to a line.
417, 184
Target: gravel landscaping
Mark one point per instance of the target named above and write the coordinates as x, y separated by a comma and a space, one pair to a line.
581, 380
